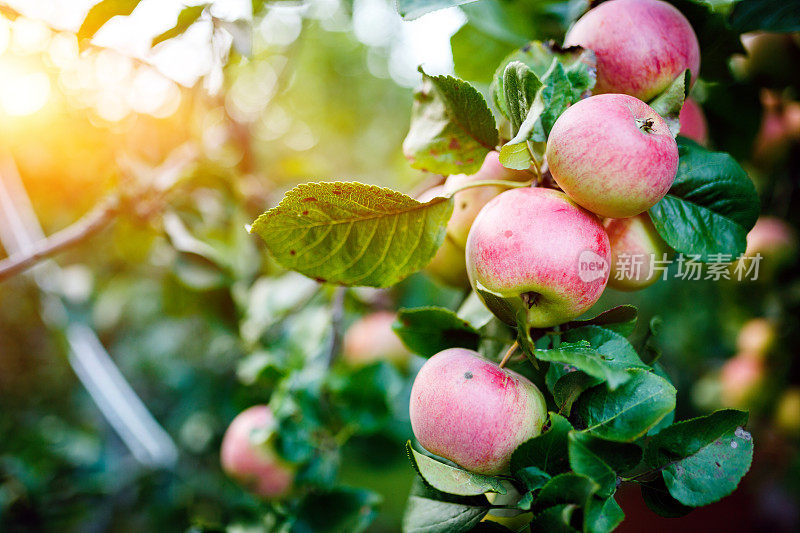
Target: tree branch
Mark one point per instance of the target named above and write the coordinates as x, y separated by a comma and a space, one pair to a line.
94, 221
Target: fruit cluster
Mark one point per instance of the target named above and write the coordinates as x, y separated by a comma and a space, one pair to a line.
538, 256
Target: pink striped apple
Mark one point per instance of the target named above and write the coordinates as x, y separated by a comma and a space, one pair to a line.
467, 409
636, 246
613, 155
533, 255
641, 46
247, 454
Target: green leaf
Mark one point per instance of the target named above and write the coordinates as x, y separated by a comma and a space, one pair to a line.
413, 9
353, 234
602, 515
453, 480
718, 41
342, 509
658, 499
539, 57
568, 385
555, 519
532, 479
767, 15
366, 397
548, 451
452, 127
669, 103
102, 12
703, 459
621, 319
711, 206
474, 312
599, 352
475, 53
670, 418
601, 460
629, 411
568, 488
429, 330
520, 86
430, 511
186, 18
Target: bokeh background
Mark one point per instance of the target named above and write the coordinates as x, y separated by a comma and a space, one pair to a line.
192, 310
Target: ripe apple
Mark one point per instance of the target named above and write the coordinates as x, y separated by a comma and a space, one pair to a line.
448, 265
612, 154
787, 412
635, 245
371, 339
247, 454
467, 409
469, 202
641, 46
535, 255
693, 122
741, 380
756, 338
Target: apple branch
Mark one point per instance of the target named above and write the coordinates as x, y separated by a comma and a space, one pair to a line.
91, 223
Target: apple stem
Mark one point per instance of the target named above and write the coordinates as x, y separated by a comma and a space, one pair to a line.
509, 353
492, 183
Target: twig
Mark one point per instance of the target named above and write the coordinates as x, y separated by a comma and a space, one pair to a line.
337, 313
509, 353
94, 221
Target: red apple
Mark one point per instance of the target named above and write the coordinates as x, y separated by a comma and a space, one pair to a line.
247, 455
467, 409
636, 247
533, 254
372, 339
613, 155
641, 46
693, 122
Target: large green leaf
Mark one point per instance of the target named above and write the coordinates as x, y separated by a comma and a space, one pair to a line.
412, 9
766, 15
629, 411
711, 206
452, 128
429, 330
548, 451
601, 460
450, 479
341, 509
703, 459
102, 12
431, 511
186, 18
353, 234
621, 319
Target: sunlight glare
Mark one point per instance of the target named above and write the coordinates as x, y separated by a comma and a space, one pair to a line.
23, 91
